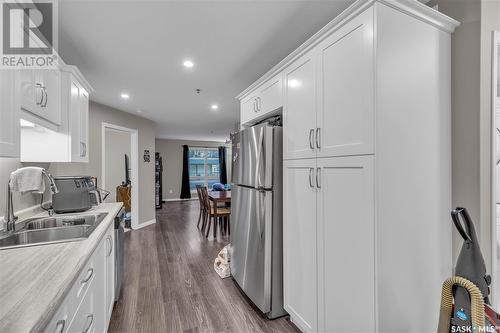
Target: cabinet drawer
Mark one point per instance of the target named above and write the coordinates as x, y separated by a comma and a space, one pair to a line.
85, 318
83, 283
61, 320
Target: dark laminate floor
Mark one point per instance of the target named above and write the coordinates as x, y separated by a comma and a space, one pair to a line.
170, 284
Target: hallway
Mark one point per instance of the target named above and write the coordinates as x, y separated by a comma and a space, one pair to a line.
170, 284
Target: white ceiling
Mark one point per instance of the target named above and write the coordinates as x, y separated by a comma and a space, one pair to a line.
138, 47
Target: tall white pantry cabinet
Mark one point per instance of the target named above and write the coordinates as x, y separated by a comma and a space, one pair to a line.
367, 170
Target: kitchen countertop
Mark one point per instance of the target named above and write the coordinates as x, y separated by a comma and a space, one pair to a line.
34, 280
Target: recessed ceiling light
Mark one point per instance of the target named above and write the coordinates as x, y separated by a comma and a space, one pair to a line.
188, 63
139, 111
214, 107
124, 96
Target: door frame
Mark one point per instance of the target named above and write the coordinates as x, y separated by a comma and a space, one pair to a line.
495, 291
134, 165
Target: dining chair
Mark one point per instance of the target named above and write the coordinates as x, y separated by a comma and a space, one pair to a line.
213, 215
202, 207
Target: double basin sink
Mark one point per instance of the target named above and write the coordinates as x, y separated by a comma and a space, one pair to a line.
52, 229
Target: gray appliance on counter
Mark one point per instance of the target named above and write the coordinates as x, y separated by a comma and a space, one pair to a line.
256, 216
74, 194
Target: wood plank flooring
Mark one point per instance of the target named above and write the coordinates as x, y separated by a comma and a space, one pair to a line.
170, 284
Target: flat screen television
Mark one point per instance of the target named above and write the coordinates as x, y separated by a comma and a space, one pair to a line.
127, 170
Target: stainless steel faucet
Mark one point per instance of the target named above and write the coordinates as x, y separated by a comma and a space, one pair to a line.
9, 217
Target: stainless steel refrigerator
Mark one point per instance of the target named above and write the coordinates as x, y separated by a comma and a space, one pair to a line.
256, 216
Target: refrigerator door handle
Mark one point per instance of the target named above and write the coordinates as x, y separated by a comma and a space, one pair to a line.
259, 154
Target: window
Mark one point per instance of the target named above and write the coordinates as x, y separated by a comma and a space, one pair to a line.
203, 167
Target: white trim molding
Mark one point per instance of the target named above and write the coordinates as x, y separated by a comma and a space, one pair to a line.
134, 164
179, 199
145, 224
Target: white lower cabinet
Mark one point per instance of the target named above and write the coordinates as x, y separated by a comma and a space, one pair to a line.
346, 244
299, 243
328, 237
88, 304
109, 263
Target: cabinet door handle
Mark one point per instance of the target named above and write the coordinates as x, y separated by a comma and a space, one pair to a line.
90, 320
318, 137
110, 245
39, 85
46, 97
83, 149
60, 326
259, 103
89, 275
318, 177
311, 171
311, 143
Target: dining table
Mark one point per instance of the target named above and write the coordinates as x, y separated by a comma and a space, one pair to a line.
219, 197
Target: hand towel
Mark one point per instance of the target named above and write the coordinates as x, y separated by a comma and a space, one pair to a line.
29, 179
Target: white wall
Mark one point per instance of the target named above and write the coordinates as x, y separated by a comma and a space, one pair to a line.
101, 113
490, 20
471, 109
171, 152
117, 145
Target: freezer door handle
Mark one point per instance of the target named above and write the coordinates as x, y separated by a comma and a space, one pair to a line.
311, 171
318, 177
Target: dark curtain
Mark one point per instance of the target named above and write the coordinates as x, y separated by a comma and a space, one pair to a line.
222, 165
185, 191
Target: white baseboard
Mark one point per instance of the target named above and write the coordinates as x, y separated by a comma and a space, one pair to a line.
178, 199
144, 224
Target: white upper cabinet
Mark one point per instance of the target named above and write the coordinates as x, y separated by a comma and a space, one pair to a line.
78, 113
270, 96
299, 110
68, 142
261, 103
9, 115
248, 109
40, 95
346, 94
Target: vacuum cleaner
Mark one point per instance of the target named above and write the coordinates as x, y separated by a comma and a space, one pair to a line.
465, 305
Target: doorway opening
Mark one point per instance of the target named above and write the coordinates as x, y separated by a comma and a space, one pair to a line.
495, 223
120, 167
